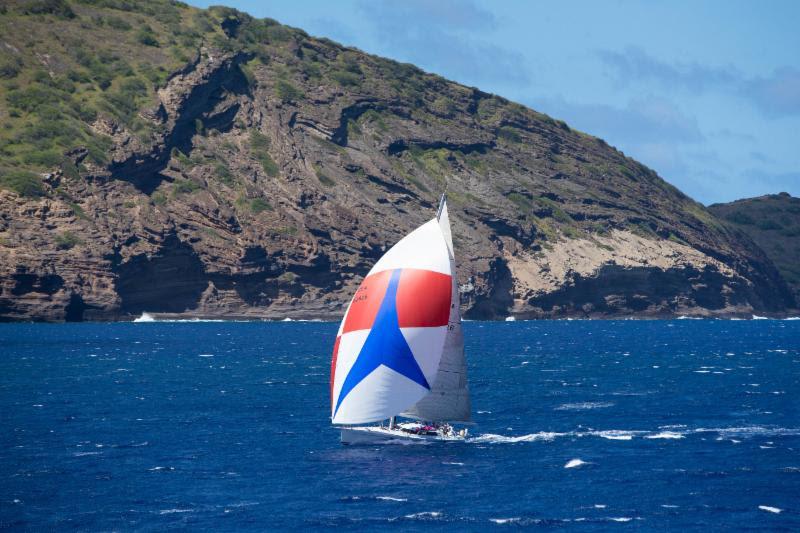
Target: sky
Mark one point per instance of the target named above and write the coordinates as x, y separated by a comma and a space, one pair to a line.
707, 93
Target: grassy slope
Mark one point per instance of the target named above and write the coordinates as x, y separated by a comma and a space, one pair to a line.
64, 65
773, 222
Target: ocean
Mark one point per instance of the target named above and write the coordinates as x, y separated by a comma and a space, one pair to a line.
584, 425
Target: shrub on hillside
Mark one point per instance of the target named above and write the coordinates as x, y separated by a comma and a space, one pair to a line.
22, 182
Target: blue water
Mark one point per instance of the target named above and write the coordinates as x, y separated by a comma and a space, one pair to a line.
224, 426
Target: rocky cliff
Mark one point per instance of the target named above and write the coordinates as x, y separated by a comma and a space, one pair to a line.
204, 163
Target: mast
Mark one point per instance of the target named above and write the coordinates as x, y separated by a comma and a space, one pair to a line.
442, 206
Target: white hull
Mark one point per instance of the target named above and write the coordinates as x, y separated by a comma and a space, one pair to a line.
377, 434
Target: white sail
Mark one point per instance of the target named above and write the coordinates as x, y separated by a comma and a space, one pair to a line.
449, 398
390, 342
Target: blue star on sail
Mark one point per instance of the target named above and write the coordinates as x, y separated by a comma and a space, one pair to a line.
385, 345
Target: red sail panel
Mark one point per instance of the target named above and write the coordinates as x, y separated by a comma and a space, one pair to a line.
366, 302
333, 363
423, 299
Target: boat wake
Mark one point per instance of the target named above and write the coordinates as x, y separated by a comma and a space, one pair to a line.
504, 439
663, 433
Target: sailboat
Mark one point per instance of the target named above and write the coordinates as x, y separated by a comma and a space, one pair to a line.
399, 350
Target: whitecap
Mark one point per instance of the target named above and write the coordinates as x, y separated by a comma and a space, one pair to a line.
205, 355
574, 463
751, 431
453, 463
583, 406
614, 434
600, 506
172, 511
391, 499
511, 319
770, 509
620, 519
505, 520
424, 514
665, 435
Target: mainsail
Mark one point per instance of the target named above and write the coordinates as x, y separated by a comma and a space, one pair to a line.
400, 340
449, 398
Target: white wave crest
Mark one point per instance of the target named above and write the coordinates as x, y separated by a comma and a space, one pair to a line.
770, 509
615, 434
505, 520
583, 406
574, 463
665, 435
424, 515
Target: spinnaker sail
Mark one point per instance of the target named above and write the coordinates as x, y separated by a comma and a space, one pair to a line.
399, 348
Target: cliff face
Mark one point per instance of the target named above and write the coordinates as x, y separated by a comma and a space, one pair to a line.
265, 174
773, 222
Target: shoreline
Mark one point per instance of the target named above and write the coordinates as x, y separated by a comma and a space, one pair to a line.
166, 318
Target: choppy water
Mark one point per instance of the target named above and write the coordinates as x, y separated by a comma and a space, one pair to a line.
222, 426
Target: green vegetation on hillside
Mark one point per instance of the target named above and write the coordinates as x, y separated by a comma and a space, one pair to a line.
773, 222
55, 85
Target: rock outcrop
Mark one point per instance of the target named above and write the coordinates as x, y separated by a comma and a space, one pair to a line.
269, 182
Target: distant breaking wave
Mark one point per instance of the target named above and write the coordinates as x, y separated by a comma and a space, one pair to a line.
147, 317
